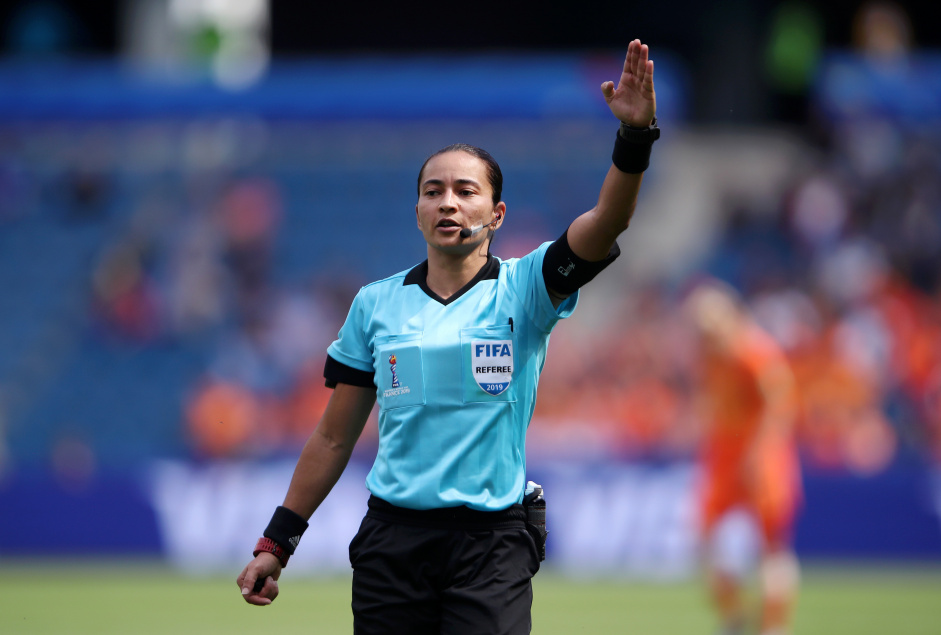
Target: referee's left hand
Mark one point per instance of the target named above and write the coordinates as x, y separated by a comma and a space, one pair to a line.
633, 100
265, 567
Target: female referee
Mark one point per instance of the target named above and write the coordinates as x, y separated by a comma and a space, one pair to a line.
452, 350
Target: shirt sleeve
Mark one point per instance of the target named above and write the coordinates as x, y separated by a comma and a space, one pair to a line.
351, 349
525, 278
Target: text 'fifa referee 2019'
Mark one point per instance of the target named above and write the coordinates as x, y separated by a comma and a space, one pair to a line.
452, 350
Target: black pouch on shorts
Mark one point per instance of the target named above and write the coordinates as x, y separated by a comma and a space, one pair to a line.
535, 505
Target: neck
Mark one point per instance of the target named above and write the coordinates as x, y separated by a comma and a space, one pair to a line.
449, 273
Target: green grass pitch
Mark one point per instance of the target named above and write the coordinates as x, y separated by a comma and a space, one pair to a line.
78, 598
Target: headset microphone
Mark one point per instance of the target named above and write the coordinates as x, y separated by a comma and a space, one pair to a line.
467, 232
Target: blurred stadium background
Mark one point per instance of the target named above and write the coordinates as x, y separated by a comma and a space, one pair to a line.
192, 191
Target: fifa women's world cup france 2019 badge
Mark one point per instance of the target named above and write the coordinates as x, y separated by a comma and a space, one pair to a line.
492, 364
396, 388
395, 376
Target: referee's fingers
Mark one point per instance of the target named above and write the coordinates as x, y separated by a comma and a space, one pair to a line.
247, 581
262, 592
257, 588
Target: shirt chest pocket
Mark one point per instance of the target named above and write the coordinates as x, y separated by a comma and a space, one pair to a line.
489, 364
399, 370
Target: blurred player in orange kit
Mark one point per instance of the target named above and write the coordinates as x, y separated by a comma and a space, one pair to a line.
750, 470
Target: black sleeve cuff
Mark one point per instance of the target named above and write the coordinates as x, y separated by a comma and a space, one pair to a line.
335, 372
565, 273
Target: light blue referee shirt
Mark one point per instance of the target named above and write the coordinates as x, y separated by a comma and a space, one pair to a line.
455, 380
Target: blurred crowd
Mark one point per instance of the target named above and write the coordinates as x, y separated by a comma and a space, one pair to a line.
207, 274
845, 274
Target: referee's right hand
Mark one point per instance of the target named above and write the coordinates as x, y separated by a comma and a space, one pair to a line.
259, 579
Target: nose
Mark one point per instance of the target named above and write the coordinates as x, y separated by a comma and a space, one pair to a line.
447, 201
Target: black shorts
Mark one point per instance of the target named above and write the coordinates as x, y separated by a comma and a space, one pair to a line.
455, 571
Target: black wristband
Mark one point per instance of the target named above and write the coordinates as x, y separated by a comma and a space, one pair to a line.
286, 528
632, 147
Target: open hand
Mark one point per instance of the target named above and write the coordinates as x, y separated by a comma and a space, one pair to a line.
633, 101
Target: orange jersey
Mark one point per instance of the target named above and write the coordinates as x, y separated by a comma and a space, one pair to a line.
731, 384
738, 405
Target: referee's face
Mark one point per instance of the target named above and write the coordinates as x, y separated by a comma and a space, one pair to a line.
455, 194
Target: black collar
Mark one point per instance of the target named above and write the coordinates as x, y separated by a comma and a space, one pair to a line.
419, 275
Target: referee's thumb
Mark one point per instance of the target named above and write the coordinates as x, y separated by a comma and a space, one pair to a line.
607, 89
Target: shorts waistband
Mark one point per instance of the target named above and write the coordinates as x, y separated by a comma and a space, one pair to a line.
444, 517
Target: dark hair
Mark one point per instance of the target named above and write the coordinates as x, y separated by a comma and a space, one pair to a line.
494, 175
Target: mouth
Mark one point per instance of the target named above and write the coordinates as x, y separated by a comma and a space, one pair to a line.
448, 225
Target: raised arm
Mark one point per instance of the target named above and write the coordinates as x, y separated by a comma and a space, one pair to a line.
634, 103
322, 461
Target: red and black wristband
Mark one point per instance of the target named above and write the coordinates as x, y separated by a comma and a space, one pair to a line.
270, 546
282, 535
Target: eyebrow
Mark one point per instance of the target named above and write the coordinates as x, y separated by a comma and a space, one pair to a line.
457, 181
